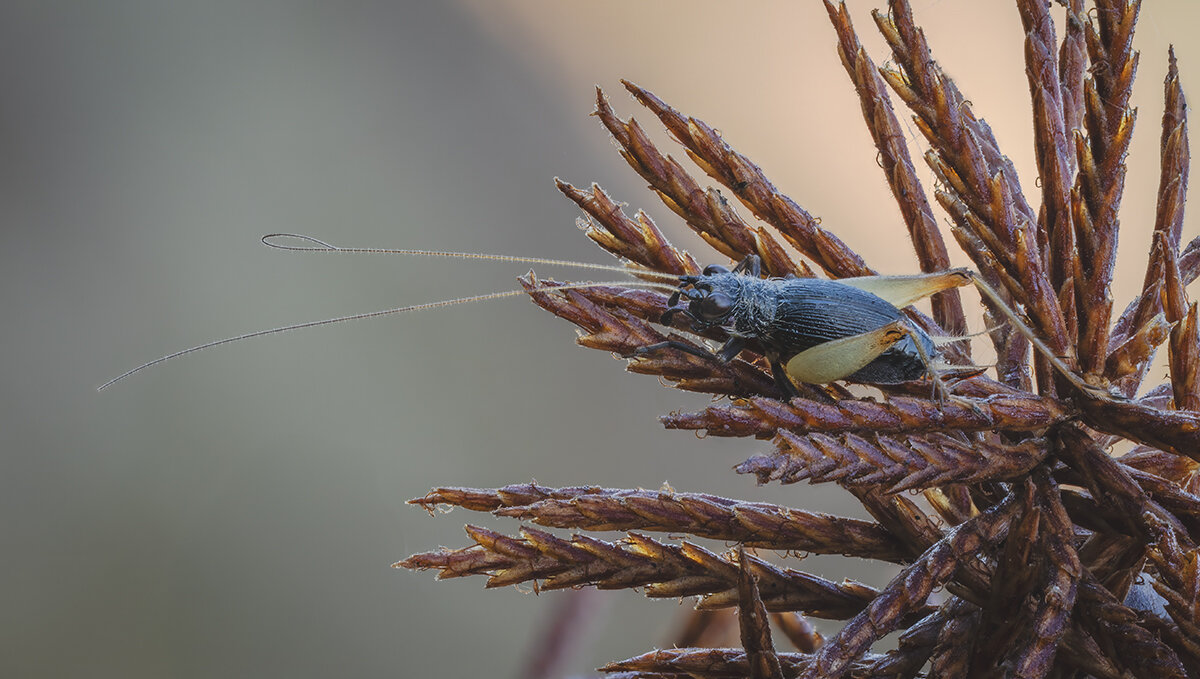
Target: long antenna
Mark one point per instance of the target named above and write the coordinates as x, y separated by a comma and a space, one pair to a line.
317, 245
372, 314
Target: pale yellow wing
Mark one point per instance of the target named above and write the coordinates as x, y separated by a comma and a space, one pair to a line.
900, 291
838, 358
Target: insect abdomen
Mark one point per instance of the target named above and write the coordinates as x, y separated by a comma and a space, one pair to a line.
814, 311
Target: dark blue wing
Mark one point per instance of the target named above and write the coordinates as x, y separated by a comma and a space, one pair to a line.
813, 311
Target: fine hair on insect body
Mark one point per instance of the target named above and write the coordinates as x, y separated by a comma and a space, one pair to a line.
811, 330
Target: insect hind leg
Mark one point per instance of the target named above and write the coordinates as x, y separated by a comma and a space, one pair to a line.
940, 392
904, 290
1042, 348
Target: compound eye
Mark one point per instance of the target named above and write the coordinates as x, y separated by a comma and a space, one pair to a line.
714, 269
715, 306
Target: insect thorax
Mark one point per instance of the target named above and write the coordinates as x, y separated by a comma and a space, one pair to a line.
757, 302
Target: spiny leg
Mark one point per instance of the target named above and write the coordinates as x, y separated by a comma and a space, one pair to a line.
939, 392
1065, 370
843, 357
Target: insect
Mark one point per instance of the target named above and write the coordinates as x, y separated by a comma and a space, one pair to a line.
819, 330
811, 330
279, 241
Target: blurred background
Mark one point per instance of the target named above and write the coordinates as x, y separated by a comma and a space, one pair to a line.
235, 513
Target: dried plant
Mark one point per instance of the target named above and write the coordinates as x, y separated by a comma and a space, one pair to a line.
1056, 557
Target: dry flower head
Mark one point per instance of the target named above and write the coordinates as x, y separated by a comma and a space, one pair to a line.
1056, 557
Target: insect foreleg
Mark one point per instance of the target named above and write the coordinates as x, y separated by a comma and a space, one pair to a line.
725, 354
677, 345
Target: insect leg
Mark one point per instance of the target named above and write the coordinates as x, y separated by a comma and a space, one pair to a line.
674, 344
725, 354
901, 291
940, 394
731, 348
751, 266
782, 381
1065, 370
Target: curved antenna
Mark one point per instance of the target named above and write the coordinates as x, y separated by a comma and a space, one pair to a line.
317, 245
371, 314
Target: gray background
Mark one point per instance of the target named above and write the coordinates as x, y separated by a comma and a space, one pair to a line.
235, 513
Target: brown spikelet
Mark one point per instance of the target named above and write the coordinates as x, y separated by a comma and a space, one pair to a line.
706, 211
907, 592
712, 662
755, 626
1052, 518
660, 569
1059, 577
954, 643
897, 463
1129, 645
741, 176
763, 417
897, 166
637, 240
915, 645
750, 524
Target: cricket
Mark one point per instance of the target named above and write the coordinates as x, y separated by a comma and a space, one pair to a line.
811, 330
